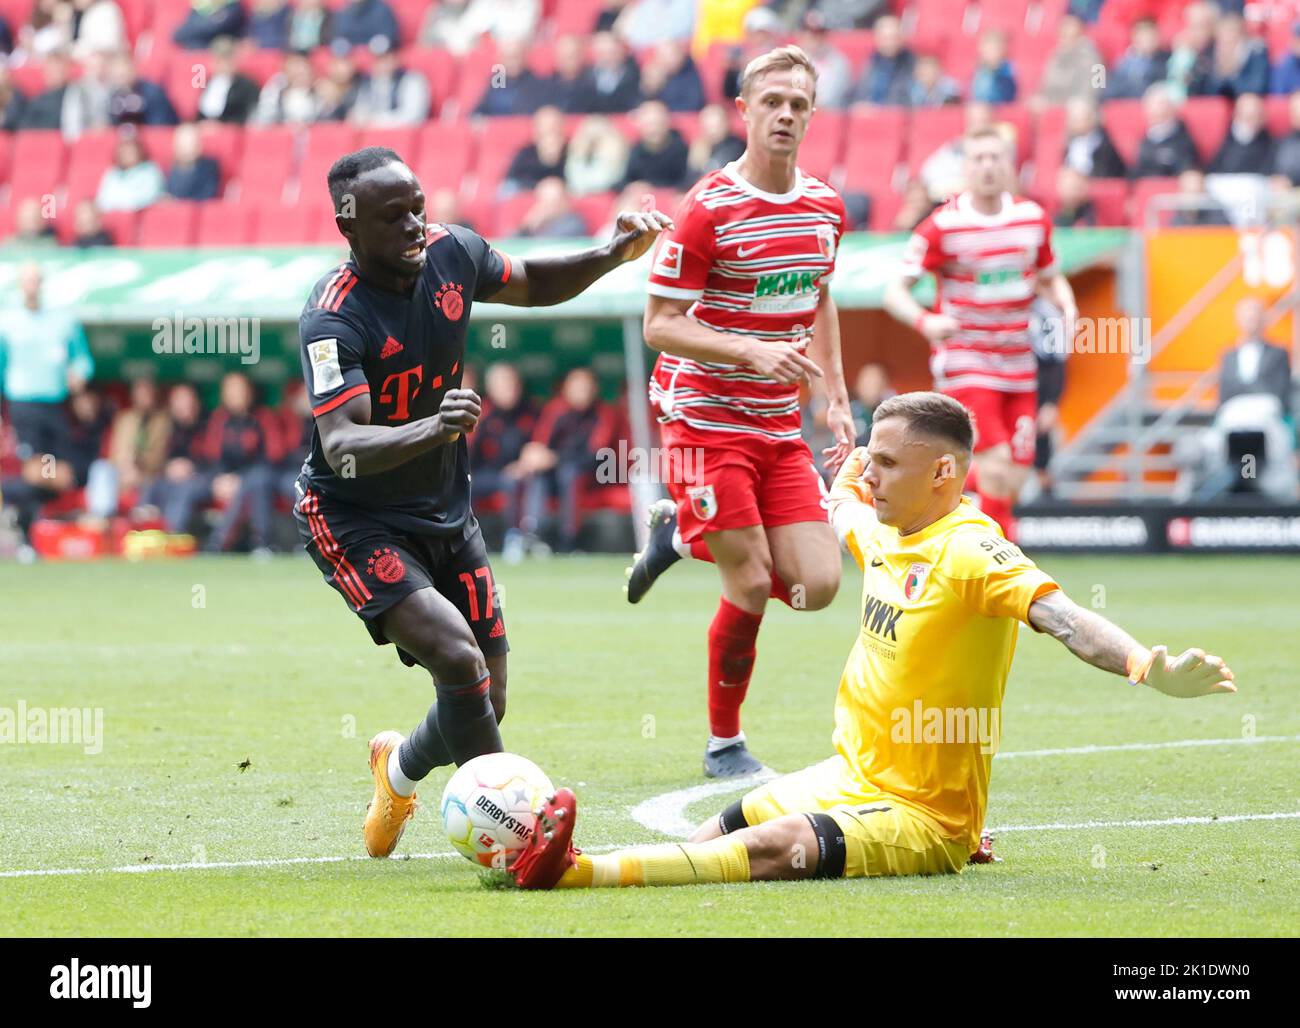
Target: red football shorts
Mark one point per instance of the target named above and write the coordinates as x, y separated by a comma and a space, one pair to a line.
739, 481
1002, 418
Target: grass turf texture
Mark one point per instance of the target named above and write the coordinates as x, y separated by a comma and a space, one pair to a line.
610, 699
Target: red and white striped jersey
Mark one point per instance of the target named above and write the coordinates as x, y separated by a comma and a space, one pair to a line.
754, 263
986, 267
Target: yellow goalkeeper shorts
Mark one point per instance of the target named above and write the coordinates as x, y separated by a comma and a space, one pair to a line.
881, 835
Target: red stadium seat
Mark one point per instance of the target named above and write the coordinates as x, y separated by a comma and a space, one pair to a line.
481, 213
596, 209
6, 145
120, 225
475, 76
1143, 190
1207, 119
1017, 115
410, 17
1278, 110
875, 149
326, 143
88, 159
438, 66
136, 15
576, 17
224, 224
225, 144
884, 209
1126, 125
38, 162
443, 155
499, 140
283, 224
932, 128
402, 140
1049, 149
510, 213
823, 146
157, 143
185, 79
1007, 15
28, 78
171, 223
712, 67
261, 65
1110, 198
267, 162
857, 45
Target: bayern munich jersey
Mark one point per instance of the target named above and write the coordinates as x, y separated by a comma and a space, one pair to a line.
986, 268
753, 262
405, 350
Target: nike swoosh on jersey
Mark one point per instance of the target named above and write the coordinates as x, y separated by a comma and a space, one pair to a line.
742, 252
877, 563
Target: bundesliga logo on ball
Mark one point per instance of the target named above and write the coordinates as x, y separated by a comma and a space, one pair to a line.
488, 807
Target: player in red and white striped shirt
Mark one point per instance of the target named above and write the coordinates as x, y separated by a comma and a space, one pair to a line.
741, 313
990, 253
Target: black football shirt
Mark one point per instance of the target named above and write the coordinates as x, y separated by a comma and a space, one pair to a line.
406, 350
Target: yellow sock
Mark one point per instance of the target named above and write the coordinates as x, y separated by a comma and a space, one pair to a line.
719, 860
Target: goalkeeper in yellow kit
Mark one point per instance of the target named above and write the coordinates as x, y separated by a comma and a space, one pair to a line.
918, 713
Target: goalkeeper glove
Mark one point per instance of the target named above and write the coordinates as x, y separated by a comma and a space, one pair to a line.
848, 484
1191, 673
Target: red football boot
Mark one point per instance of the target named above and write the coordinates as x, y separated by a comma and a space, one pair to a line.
984, 855
550, 852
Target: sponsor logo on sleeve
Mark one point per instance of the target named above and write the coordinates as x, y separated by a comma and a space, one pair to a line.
669, 262
325, 371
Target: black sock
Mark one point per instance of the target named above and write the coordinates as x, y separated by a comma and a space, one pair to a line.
465, 723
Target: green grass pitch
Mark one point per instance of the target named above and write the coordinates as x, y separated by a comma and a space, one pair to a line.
272, 670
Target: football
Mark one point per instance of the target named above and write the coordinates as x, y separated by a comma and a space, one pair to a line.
488, 807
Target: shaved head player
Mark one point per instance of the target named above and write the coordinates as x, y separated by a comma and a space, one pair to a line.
384, 496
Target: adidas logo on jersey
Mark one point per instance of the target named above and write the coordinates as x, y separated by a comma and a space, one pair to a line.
498, 630
391, 347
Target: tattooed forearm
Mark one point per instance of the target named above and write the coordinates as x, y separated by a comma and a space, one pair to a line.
1088, 636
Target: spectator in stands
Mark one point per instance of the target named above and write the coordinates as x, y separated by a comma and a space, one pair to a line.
1088, 146
834, 71
931, 86
132, 182
309, 27
871, 388
887, 79
296, 426
230, 95
1046, 330
670, 76
207, 21
100, 28
137, 450
86, 104
289, 96
1286, 155
6, 36
1074, 69
1199, 207
186, 479
763, 30
646, 23
1240, 62
994, 81
552, 215
1285, 78
268, 24
88, 227
1255, 366
193, 175
1191, 62
543, 158
392, 95
46, 109
659, 154
13, 104
88, 423
915, 208
844, 15
242, 442
1247, 149
1141, 66
337, 90
1074, 207
564, 86
613, 81
496, 444
513, 87
44, 359
31, 227
136, 101
1166, 149
715, 145
444, 209
458, 25
597, 157
362, 22
50, 29
635, 196
560, 459
943, 172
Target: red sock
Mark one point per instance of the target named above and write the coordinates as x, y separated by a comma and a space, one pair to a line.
999, 509
731, 662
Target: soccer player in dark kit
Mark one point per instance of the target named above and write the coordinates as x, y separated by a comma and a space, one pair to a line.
384, 497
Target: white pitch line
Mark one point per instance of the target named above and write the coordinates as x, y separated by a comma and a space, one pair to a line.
666, 813
1226, 818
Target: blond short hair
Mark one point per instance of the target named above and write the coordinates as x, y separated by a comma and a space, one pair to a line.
783, 58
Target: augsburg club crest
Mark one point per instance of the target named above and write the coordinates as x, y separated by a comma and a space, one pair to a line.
915, 581
703, 503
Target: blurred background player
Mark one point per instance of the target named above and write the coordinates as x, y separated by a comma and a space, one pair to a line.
991, 254
943, 596
741, 313
384, 497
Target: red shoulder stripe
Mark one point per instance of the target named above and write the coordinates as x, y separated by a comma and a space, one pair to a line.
343, 292
341, 399
332, 286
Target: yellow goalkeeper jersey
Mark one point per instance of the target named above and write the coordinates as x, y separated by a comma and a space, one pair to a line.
919, 710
